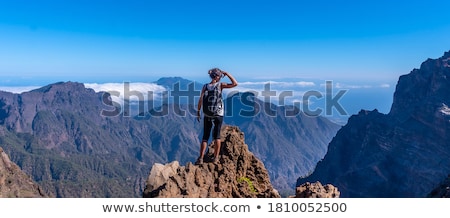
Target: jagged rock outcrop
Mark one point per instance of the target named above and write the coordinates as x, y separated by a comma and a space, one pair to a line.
405, 153
316, 190
14, 183
239, 174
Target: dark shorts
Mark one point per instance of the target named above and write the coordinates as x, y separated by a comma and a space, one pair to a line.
208, 123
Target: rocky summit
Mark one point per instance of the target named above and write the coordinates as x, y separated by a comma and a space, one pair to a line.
239, 174
316, 190
405, 153
14, 183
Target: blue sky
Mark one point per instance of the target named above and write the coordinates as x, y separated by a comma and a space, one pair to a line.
139, 41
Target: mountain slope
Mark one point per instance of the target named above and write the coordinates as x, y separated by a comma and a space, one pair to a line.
58, 135
14, 183
405, 153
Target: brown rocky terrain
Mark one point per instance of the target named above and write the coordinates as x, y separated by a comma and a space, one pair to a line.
239, 174
316, 190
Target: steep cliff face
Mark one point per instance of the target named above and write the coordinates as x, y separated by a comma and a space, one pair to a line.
18, 111
239, 174
405, 153
14, 183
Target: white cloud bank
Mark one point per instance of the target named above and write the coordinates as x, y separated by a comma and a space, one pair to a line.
445, 110
128, 91
18, 89
279, 84
347, 86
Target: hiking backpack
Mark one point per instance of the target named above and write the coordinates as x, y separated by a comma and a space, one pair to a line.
212, 100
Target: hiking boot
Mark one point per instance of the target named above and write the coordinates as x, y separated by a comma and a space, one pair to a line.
215, 160
199, 161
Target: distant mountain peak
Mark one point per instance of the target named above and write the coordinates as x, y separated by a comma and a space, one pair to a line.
174, 79
184, 84
62, 86
430, 84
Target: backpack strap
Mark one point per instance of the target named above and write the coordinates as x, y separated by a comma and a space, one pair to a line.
204, 87
217, 85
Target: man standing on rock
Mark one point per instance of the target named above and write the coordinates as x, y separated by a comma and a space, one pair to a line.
213, 110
